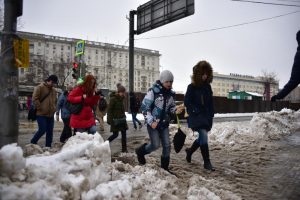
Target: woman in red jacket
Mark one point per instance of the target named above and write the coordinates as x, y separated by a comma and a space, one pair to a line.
85, 93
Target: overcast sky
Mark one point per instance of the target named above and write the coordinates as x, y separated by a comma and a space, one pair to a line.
268, 45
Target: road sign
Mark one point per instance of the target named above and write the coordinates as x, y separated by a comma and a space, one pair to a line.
156, 13
79, 48
21, 50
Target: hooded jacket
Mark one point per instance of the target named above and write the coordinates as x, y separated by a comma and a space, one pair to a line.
295, 74
198, 101
152, 104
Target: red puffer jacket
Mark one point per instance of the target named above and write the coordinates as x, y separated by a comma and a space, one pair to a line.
85, 119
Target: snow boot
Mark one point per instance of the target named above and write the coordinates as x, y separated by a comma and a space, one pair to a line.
164, 163
141, 152
190, 151
124, 144
205, 155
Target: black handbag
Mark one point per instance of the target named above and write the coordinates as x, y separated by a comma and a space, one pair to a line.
74, 108
179, 138
119, 121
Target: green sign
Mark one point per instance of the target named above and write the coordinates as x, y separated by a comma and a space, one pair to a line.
79, 48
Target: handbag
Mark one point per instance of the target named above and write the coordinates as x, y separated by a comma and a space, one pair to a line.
74, 108
119, 121
179, 138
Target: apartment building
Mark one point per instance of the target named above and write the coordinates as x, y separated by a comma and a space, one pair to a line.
109, 63
223, 84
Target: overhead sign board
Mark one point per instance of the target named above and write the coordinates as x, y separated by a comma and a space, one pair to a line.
21, 50
79, 48
156, 13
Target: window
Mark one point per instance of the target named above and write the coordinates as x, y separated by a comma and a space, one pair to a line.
143, 61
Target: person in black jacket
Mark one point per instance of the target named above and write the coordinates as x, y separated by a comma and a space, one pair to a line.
198, 101
134, 108
295, 75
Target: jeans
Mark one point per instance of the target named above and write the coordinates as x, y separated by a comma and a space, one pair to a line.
115, 135
134, 119
45, 124
202, 137
155, 137
91, 130
67, 131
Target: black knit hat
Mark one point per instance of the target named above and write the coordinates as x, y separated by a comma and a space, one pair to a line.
52, 78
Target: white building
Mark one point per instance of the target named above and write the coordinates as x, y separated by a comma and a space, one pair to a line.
223, 84
107, 62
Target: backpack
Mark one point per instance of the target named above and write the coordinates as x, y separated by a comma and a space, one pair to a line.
102, 104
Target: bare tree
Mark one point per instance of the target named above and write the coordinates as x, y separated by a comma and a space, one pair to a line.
268, 78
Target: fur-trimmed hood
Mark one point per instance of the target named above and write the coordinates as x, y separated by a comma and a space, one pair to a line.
202, 67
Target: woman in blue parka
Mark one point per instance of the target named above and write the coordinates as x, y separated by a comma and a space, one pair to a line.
198, 101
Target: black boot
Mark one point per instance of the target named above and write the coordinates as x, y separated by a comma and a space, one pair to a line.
141, 152
124, 145
164, 163
190, 151
205, 155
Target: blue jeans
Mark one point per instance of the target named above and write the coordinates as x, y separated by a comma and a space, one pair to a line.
45, 124
134, 119
202, 137
91, 130
155, 137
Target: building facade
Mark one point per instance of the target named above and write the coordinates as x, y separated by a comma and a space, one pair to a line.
109, 63
223, 84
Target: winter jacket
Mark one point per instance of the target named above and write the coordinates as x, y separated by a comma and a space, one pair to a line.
199, 100
295, 75
85, 119
61, 106
46, 108
133, 104
116, 110
152, 104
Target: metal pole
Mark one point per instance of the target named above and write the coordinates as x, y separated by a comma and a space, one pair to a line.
131, 53
9, 120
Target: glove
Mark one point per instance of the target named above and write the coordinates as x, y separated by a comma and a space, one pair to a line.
274, 98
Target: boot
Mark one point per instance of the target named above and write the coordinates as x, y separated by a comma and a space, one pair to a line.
124, 145
205, 155
141, 152
164, 163
190, 151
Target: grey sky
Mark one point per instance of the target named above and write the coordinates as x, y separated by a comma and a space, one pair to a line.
268, 45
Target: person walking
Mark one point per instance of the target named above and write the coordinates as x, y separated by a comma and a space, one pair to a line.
135, 105
198, 101
295, 75
157, 106
116, 117
65, 114
44, 98
84, 93
101, 110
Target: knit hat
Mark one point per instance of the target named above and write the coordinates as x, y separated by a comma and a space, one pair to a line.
165, 76
120, 88
52, 78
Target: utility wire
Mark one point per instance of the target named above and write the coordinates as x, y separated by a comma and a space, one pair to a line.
261, 2
219, 28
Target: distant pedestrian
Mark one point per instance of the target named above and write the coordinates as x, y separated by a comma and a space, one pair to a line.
65, 114
135, 105
44, 99
116, 117
295, 75
84, 94
199, 106
101, 110
157, 106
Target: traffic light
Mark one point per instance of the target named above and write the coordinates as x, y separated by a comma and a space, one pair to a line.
75, 74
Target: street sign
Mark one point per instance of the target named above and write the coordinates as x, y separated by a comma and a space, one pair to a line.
156, 13
79, 48
21, 50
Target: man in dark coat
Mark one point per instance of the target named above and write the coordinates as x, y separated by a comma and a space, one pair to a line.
295, 75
